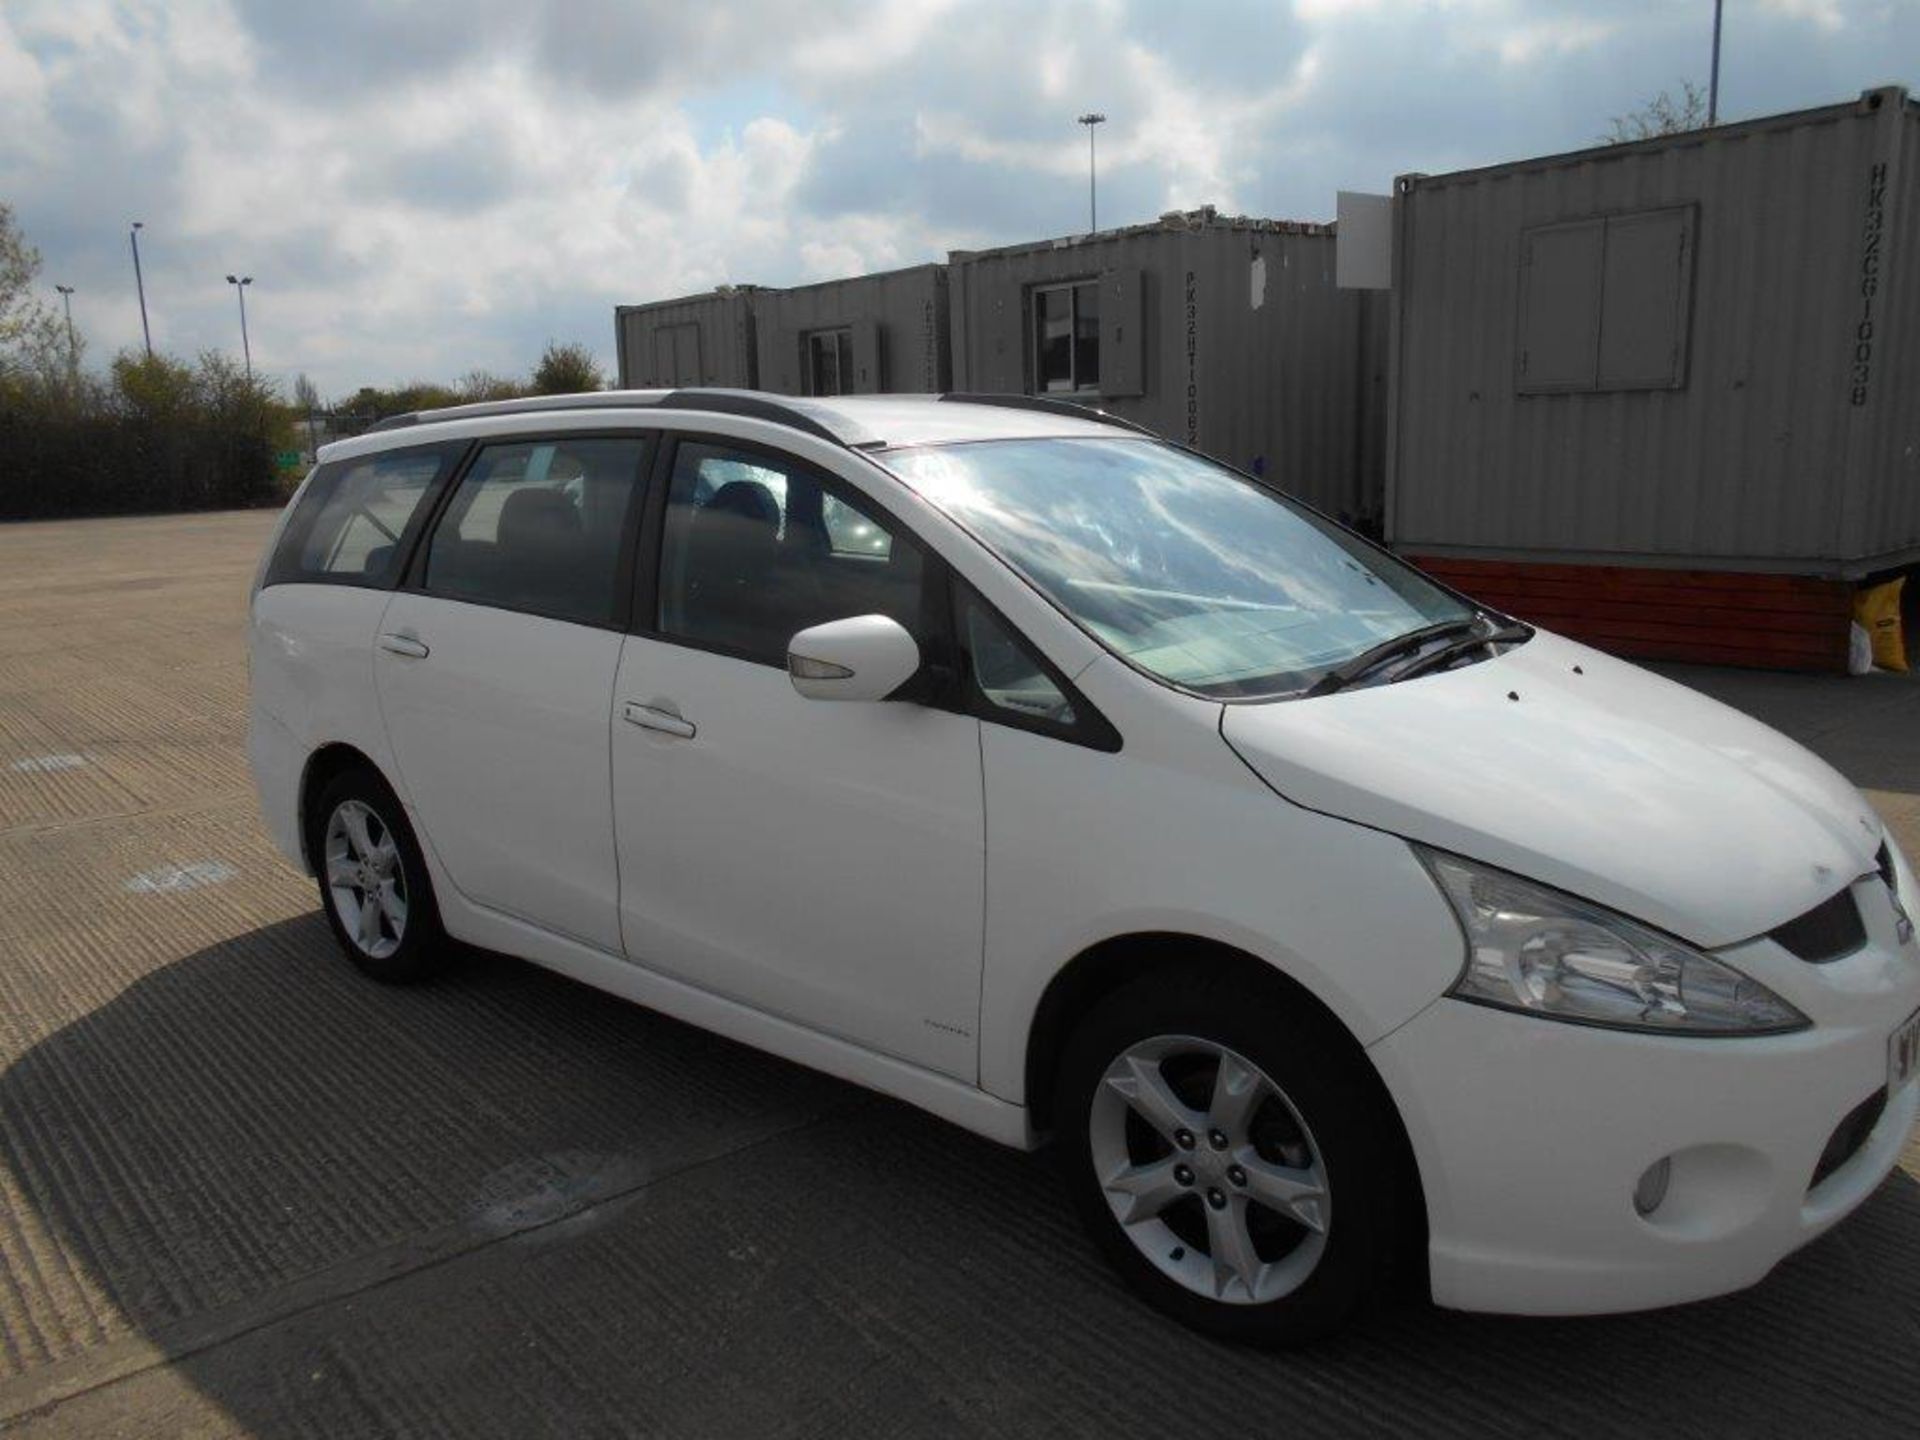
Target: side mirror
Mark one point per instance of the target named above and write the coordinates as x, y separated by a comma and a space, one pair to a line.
867, 657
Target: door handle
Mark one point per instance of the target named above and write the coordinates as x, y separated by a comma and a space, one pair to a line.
407, 645
652, 717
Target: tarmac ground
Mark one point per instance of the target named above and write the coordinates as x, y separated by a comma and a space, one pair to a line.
244, 1192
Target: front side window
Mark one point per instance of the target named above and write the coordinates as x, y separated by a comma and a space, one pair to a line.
829, 362
1006, 674
756, 549
1066, 338
850, 533
348, 526
1186, 570
537, 526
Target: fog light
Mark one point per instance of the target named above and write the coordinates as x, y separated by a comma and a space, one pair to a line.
1652, 1188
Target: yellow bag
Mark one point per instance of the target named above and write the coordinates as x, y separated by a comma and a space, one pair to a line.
1878, 609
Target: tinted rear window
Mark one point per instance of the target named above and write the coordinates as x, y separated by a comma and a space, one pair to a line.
351, 523
538, 526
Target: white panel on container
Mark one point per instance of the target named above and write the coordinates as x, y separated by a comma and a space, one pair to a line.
1559, 307
1363, 248
866, 379
1122, 333
1643, 312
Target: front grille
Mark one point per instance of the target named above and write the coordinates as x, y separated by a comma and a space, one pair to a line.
1830, 930
1849, 1135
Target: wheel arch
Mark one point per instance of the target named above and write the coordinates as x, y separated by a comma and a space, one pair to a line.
321, 768
1103, 968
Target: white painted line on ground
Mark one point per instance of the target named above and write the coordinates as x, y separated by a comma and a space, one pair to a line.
190, 876
47, 764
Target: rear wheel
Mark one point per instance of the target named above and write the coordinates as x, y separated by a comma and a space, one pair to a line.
1227, 1148
373, 880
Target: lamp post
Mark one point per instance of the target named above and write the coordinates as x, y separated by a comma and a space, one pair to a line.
73, 346
1091, 119
133, 236
1713, 80
240, 283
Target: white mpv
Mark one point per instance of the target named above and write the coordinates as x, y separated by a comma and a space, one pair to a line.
1001, 757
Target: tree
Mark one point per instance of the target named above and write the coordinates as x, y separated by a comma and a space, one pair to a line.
480, 385
567, 370
231, 396
33, 342
155, 434
306, 395
1662, 115
371, 403
154, 387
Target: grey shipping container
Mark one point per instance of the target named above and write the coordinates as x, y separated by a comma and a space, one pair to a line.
883, 333
1225, 334
696, 340
1702, 351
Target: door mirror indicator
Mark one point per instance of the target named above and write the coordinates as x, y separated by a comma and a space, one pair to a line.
867, 657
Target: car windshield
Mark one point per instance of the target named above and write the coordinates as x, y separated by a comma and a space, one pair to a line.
1186, 570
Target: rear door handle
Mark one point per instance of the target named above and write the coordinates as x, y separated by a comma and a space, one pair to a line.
652, 717
407, 645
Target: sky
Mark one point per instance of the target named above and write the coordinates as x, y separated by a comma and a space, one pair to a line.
422, 188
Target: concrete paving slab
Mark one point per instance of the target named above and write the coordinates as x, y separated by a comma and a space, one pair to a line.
245, 1193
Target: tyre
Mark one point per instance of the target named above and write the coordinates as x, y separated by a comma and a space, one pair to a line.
1231, 1152
373, 880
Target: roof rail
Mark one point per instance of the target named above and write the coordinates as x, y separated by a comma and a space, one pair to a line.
754, 405
750, 404
793, 412
526, 404
1048, 405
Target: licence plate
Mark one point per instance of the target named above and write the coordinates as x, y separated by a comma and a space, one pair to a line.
1903, 1052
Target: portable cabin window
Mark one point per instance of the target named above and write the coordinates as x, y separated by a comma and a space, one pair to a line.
1604, 303
826, 362
1066, 338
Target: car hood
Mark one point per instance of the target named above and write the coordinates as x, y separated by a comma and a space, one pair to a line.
1573, 768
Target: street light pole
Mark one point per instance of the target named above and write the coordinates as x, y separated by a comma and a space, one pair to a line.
240, 283
133, 235
1091, 119
73, 346
1713, 80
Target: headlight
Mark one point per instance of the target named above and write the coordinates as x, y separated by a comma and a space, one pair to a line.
1534, 949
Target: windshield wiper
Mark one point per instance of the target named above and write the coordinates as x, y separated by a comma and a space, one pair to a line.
1372, 659
1447, 654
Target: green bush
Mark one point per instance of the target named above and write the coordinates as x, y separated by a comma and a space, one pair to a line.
158, 435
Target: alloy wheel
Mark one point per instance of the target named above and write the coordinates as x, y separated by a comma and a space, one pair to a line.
1209, 1169
366, 881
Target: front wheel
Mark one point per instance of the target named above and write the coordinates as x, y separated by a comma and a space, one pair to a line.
1228, 1149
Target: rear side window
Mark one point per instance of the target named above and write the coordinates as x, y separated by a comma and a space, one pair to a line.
352, 518
540, 526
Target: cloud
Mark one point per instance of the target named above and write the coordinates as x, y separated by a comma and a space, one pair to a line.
1534, 41
425, 188
1827, 14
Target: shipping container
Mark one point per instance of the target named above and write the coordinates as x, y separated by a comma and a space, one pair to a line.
1633, 388
1226, 334
883, 333
694, 340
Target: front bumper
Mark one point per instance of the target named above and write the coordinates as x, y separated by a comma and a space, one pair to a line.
1531, 1135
